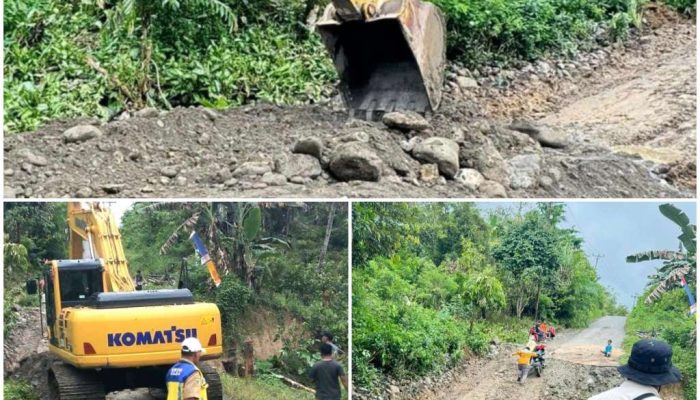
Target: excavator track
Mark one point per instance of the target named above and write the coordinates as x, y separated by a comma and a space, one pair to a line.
67, 382
215, 390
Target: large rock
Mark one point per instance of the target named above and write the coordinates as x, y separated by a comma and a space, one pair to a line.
81, 133
302, 165
148, 112
466, 82
405, 120
478, 152
385, 147
312, 146
274, 179
38, 160
169, 171
524, 170
441, 151
545, 135
470, 178
492, 190
429, 173
252, 168
355, 161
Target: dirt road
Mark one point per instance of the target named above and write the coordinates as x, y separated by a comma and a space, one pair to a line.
575, 369
584, 347
563, 378
618, 121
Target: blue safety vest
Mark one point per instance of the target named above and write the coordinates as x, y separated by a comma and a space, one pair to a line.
176, 377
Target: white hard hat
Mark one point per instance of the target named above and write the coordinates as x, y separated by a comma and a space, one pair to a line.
192, 345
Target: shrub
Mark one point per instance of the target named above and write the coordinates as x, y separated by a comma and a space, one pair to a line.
196, 60
18, 390
684, 6
399, 330
501, 30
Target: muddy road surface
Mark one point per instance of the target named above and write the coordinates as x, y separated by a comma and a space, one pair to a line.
617, 121
575, 370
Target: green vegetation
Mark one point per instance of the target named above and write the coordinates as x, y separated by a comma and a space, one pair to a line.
33, 233
269, 258
663, 310
75, 58
432, 282
98, 58
263, 388
667, 319
18, 390
501, 30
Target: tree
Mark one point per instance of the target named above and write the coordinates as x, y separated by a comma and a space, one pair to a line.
15, 261
39, 227
528, 255
676, 263
326, 240
482, 293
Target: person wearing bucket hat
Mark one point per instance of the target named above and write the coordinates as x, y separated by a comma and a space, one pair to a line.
648, 368
184, 379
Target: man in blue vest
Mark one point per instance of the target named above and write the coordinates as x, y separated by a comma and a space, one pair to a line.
184, 380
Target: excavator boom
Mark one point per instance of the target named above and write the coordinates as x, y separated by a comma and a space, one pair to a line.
94, 234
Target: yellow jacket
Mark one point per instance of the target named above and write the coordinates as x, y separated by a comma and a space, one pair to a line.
524, 357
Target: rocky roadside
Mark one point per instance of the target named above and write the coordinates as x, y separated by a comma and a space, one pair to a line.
493, 378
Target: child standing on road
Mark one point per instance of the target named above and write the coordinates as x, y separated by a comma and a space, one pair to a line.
524, 357
608, 349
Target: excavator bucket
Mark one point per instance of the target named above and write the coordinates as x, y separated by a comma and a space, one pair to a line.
389, 54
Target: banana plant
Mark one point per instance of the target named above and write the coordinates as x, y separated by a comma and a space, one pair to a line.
677, 264
232, 232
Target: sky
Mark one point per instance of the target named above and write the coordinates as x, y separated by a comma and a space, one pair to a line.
614, 230
119, 207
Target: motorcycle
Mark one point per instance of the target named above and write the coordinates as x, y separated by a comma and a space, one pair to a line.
537, 363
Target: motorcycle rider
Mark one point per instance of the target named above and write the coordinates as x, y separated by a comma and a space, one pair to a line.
524, 357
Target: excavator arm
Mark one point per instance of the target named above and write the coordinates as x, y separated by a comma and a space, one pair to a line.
94, 234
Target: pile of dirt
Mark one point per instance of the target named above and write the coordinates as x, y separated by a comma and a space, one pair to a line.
618, 121
24, 340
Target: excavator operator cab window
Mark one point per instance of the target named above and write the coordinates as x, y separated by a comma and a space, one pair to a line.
78, 285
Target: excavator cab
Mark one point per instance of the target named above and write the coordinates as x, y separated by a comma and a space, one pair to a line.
389, 54
78, 280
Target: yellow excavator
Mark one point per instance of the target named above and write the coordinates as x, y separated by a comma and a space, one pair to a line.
106, 335
389, 54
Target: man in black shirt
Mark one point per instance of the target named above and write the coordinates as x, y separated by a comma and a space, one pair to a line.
326, 374
139, 280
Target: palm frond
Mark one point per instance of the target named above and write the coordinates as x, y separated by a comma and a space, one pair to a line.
673, 277
221, 9
655, 255
189, 222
